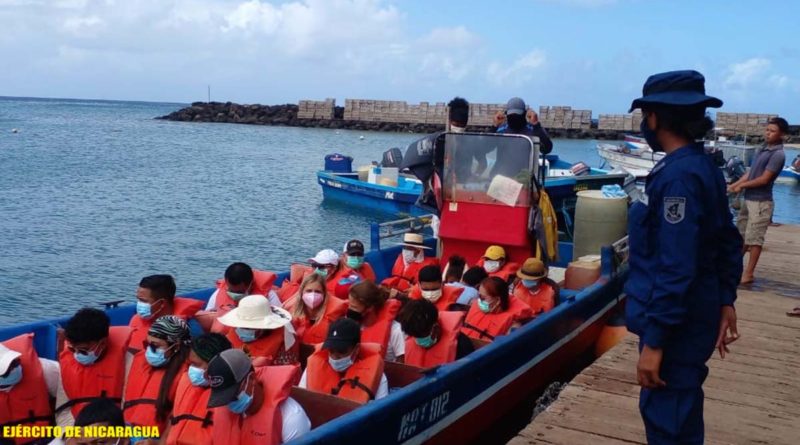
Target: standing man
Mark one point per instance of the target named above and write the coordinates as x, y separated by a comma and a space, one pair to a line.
685, 260
756, 215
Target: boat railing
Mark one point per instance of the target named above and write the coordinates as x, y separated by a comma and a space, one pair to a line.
391, 229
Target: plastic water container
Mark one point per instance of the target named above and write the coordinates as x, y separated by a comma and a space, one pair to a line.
599, 221
338, 163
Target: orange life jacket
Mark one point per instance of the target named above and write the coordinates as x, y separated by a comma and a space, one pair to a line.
27, 403
365, 271
265, 426
449, 296
290, 286
403, 277
379, 330
521, 311
105, 378
181, 306
508, 270
486, 326
191, 420
358, 383
541, 300
270, 346
313, 333
262, 284
141, 392
444, 351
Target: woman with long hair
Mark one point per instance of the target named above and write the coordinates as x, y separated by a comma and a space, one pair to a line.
313, 309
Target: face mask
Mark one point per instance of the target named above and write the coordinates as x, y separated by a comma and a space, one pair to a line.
455, 129
409, 256
491, 266
235, 296
197, 376
85, 359
341, 364
530, 284
246, 335
484, 305
312, 299
354, 262
321, 272
650, 136
144, 309
432, 295
353, 315
13, 377
156, 358
242, 402
425, 342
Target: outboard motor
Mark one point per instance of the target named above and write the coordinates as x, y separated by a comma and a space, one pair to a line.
392, 157
734, 168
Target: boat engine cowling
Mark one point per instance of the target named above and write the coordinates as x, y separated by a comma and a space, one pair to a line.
338, 163
392, 157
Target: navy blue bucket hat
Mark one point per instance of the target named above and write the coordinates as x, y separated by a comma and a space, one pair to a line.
682, 88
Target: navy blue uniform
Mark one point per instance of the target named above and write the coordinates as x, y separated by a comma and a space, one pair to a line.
685, 264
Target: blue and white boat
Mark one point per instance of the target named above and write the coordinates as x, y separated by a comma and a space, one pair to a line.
452, 403
791, 173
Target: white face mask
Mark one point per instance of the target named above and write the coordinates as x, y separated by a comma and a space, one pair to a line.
432, 295
409, 256
455, 129
491, 266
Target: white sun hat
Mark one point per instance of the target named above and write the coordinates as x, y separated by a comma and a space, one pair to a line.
255, 312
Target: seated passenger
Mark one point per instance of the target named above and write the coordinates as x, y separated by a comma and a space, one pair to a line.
353, 260
454, 270
313, 310
251, 405
155, 371
191, 422
262, 330
489, 315
434, 337
409, 262
99, 413
496, 264
94, 363
326, 263
156, 298
370, 306
240, 281
430, 288
470, 282
534, 288
346, 367
27, 383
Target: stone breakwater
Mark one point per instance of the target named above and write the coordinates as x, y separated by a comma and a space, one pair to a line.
287, 115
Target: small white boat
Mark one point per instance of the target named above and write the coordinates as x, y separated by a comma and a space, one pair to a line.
791, 173
629, 156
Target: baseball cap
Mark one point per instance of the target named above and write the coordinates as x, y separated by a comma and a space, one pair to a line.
515, 105
494, 253
343, 334
225, 373
6, 357
354, 247
325, 257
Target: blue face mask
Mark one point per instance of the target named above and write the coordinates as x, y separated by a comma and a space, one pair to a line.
156, 358
341, 364
242, 402
484, 305
13, 377
530, 284
322, 272
425, 342
650, 136
246, 335
197, 376
145, 310
85, 359
354, 262
235, 296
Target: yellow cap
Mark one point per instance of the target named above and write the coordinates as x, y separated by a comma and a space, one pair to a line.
494, 253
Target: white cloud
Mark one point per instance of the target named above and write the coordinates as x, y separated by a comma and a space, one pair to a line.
778, 81
518, 72
83, 26
743, 74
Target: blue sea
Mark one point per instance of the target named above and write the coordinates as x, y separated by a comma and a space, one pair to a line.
95, 195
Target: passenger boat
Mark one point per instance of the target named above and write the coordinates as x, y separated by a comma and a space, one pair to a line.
791, 173
452, 403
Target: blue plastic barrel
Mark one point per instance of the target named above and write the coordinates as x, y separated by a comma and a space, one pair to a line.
338, 163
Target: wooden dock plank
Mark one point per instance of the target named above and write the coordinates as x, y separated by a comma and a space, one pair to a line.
752, 396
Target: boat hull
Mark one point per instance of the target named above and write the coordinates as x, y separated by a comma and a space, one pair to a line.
389, 200
789, 174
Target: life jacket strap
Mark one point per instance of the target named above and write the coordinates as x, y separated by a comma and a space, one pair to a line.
354, 383
88, 399
480, 331
206, 421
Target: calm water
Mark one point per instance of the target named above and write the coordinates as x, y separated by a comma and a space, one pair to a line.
95, 195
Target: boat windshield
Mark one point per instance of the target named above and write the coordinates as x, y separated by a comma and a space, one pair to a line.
489, 168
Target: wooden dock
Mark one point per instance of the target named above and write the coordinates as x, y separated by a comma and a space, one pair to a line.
752, 396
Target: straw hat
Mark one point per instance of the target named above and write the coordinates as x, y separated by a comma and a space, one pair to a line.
415, 240
255, 312
532, 269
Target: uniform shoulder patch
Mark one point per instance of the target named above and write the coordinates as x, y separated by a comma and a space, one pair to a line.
674, 209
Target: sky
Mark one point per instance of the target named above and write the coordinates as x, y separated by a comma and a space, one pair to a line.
588, 54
